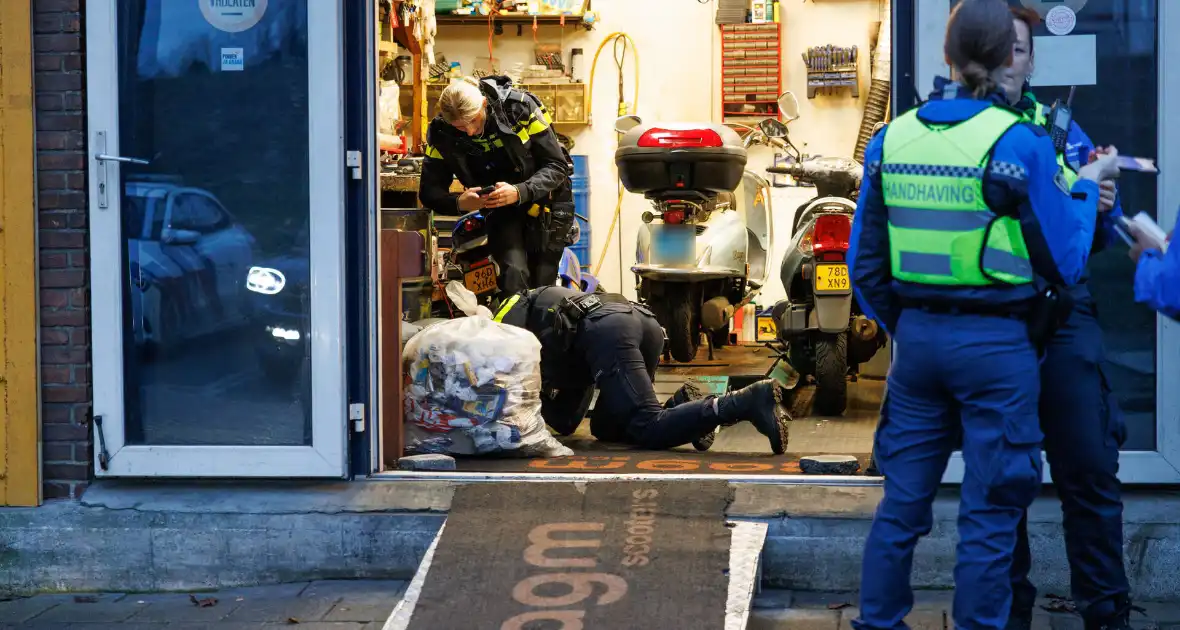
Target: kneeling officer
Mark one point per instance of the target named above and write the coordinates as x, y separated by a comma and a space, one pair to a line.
605, 340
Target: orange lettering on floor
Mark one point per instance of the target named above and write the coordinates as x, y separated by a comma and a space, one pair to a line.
574, 463
668, 465
740, 467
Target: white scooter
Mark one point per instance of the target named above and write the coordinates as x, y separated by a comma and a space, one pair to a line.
708, 254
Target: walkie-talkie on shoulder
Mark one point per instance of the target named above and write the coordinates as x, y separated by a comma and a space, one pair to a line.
1057, 122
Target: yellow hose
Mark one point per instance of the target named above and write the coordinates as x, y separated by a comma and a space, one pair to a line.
610, 39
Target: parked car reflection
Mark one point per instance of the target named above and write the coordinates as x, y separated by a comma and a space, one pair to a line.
281, 311
186, 255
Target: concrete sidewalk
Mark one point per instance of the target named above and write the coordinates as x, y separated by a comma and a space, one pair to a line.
365, 605
337, 605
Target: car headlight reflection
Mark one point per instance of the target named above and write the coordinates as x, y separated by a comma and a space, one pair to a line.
265, 280
284, 333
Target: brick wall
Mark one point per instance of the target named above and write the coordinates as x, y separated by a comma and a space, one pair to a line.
59, 81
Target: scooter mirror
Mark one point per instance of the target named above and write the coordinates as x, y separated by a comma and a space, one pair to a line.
877, 127
773, 128
623, 124
788, 105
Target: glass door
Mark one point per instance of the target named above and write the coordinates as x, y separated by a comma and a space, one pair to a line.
1113, 51
216, 153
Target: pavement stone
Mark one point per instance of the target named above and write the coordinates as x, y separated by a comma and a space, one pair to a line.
794, 619
353, 590
771, 598
101, 612
176, 608
303, 609
20, 610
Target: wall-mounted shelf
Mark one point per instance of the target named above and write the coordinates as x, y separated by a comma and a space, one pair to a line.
518, 19
751, 70
566, 102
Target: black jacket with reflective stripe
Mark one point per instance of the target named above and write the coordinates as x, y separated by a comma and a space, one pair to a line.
541, 165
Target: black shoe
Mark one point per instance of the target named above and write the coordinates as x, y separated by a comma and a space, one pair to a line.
762, 405
1019, 620
690, 391
1120, 620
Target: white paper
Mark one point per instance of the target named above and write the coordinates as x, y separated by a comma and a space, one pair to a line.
1066, 60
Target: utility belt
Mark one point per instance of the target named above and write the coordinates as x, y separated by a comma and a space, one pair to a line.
1044, 315
570, 312
554, 227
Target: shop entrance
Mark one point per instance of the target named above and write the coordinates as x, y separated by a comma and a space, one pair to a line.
688, 82
215, 136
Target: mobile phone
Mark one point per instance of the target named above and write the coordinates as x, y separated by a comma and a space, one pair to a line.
486, 190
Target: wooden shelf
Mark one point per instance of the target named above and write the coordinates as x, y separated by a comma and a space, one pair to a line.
566, 102
445, 19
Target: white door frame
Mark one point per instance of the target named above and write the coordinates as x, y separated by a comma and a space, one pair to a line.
326, 457
1162, 465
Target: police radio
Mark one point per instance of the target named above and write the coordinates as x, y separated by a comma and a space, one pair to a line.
1057, 122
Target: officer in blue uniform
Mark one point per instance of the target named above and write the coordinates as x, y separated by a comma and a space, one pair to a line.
1079, 414
1157, 275
604, 340
964, 224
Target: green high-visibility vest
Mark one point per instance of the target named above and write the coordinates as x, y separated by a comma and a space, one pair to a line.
1040, 115
941, 231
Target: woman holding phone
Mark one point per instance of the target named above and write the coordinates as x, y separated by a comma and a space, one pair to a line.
498, 142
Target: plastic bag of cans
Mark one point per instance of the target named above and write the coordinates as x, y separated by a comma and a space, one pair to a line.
475, 389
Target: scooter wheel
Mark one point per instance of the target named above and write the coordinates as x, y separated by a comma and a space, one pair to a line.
831, 374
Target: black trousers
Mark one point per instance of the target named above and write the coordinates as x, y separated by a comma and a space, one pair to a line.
516, 243
623, 350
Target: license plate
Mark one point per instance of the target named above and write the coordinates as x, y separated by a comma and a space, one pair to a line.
481, 279
832, 279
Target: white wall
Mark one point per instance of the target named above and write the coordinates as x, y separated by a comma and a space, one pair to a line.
679, 52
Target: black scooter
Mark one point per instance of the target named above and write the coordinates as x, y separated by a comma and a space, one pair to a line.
821, 327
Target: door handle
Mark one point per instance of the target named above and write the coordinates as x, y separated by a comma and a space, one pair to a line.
102, 157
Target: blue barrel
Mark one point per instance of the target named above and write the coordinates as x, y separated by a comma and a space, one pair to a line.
581, 186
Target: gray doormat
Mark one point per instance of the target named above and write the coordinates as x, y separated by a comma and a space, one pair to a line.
543, 556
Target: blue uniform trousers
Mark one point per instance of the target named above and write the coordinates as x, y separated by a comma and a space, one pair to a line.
980, 374
1083, 432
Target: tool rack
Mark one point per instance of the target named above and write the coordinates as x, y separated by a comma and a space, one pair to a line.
751, 70
830, 67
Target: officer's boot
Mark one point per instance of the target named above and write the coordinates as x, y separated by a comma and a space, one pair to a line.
1120, 620
689, 392
1019, 619
761, 404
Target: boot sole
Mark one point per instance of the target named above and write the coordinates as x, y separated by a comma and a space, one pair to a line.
782, 419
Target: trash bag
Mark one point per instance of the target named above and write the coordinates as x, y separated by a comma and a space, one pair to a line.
475, 389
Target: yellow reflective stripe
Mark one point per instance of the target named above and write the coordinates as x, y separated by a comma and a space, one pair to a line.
433, 153
536, 123
506, 307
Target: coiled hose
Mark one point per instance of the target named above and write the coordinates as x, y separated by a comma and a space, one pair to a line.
877, 104
620, 40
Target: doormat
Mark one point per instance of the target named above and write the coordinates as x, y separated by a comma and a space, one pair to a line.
606, 461
527, 556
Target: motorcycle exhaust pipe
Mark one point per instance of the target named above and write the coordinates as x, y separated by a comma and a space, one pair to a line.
716, 312
864, 328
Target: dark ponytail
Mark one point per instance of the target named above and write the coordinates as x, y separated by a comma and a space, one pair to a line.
979, 39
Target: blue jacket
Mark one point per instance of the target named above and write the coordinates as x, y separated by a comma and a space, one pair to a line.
1058, 225
1157, 281
1078, 146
